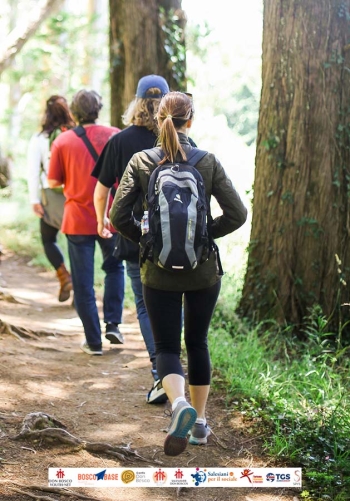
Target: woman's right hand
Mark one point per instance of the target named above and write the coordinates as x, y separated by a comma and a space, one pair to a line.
38, 210
103, 228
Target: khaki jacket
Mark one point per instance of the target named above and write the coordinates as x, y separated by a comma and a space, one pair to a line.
135, 182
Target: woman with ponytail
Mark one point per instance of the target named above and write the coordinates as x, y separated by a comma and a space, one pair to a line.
166, 291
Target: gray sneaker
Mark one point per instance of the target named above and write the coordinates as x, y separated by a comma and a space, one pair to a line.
90, 351
199, 434
113, 334
182, 420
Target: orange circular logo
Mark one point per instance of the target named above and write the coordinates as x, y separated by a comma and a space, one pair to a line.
128, 476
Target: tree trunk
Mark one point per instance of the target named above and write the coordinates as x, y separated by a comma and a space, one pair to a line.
299, 252
146, 36
5, 173
21, 34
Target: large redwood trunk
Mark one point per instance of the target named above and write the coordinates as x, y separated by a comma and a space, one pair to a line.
302, 182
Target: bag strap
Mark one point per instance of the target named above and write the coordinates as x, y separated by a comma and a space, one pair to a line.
81, 132
155, 154
193, 157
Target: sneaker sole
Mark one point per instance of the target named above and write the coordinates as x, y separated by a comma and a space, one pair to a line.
159, 399
197, 441
93, 353
113, 338
176, 441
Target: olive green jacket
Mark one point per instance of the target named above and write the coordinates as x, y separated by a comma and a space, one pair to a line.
135, 182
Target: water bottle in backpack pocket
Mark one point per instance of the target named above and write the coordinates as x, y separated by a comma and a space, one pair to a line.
144, 223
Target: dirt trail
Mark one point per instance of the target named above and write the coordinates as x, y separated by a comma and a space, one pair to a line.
99, 399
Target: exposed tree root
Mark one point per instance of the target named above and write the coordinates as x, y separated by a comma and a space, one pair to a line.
124, 453
39, 425
5, 296
22, 332
18, 332
38, 421
53, 490
32, 495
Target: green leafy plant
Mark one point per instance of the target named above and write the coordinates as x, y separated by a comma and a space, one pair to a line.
297, 391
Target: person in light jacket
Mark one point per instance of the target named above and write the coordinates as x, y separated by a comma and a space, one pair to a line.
48, 204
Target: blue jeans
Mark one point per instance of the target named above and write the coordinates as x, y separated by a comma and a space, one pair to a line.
133, 271
81, 249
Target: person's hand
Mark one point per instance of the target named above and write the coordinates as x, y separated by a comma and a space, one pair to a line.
103, 228
38, 210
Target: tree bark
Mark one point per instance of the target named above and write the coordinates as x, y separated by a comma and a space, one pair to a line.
142, 42
299, 252
21, 34
5, 173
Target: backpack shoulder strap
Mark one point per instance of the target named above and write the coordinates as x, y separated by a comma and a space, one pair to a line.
52, 136
195, 155
80, 132
155, 154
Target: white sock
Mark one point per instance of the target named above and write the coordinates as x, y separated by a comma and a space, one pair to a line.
201, 421
176, 401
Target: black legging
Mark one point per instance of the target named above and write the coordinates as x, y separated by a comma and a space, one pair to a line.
165, 312
49, 240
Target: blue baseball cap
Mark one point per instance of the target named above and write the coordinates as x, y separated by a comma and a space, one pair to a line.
149, 82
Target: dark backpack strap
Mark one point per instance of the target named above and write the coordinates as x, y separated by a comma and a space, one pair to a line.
80, 132
193, 158
195, 155
155, 154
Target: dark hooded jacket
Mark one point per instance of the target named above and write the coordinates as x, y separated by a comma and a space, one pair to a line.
217, 184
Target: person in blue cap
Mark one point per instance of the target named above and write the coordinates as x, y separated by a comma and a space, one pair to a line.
152, 86
140, 133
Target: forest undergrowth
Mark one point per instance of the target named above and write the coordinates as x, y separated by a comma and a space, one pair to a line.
291, 389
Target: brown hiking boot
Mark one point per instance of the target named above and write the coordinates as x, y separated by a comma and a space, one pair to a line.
65, 282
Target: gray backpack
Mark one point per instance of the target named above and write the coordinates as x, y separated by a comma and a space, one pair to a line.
179, 236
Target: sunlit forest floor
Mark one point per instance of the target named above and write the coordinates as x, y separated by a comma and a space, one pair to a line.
98, 399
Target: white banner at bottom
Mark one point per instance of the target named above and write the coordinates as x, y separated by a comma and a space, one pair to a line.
175, 477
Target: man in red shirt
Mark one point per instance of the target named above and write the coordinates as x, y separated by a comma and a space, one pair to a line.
73, 156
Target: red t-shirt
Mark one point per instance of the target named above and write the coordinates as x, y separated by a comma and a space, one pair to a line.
71, 164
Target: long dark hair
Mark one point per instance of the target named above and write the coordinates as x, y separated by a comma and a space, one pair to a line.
57, 115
